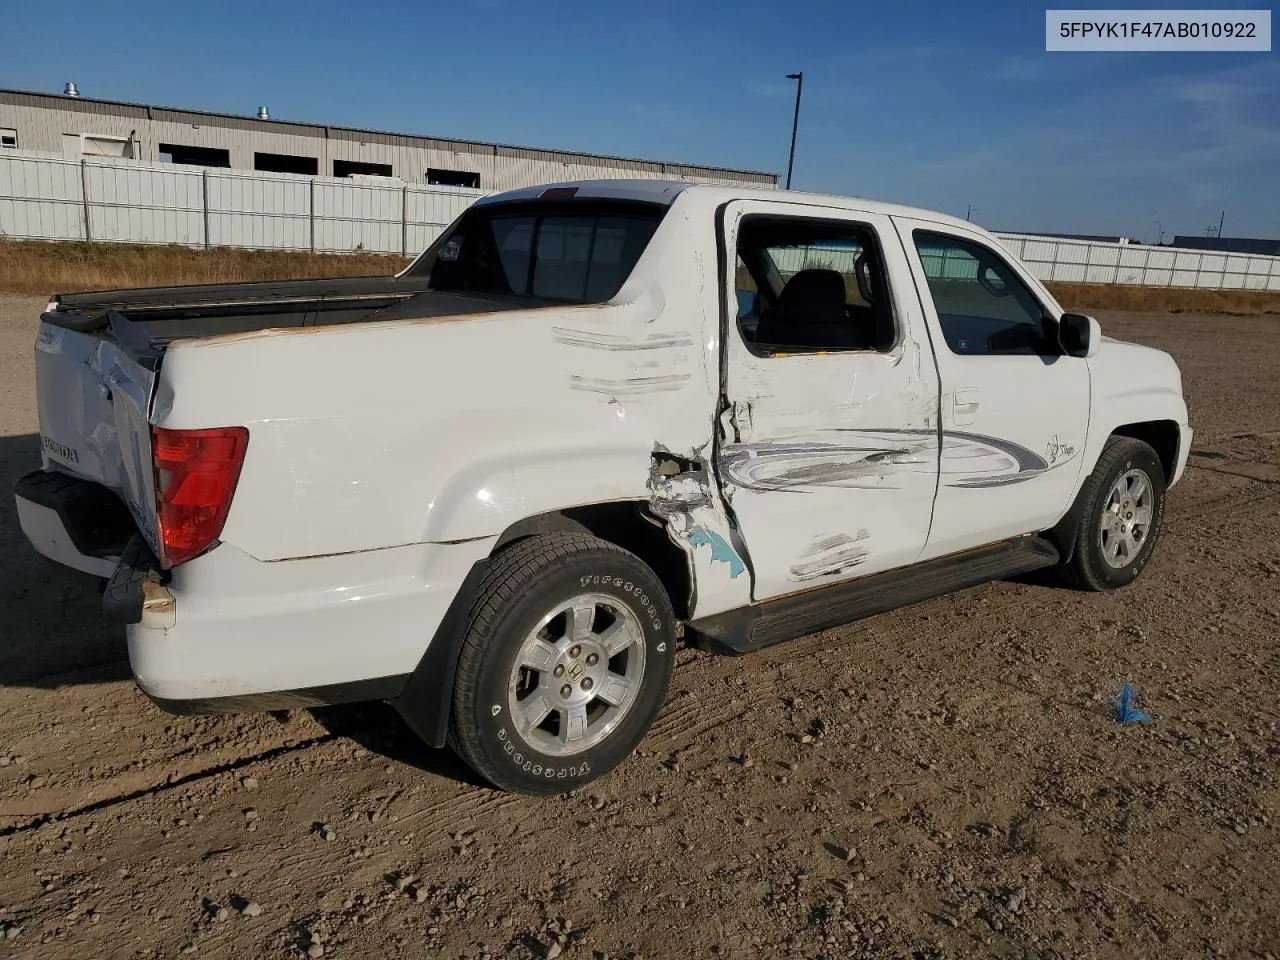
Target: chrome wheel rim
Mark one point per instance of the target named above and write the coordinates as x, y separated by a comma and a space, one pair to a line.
1126, 518
577, 674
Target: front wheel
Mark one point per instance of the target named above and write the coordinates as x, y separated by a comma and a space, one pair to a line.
565, 664
1122, 511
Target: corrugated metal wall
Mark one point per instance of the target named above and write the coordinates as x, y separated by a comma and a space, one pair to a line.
53, 125
47, 198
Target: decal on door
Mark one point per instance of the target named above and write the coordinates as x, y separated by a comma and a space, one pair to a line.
873, 461
875, 458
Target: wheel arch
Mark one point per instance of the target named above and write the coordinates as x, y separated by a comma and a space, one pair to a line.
627, 524
1163, 436
426, 700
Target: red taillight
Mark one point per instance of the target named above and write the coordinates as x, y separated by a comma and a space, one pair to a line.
196, 474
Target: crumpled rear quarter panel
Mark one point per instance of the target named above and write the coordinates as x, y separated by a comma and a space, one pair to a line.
382, 434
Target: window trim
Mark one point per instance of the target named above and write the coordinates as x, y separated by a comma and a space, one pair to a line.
1046, 315
876, 245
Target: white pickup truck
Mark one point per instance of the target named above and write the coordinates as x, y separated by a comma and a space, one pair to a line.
593, 421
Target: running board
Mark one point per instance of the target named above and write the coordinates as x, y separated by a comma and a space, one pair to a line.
799, 614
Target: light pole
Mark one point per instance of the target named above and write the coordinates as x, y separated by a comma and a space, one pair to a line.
1160, 239
795, 122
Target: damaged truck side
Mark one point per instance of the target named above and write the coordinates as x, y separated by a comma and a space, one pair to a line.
592, 422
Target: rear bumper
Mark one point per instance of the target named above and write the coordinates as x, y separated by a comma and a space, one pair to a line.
229, 633
75, 523
226, 632
378, 688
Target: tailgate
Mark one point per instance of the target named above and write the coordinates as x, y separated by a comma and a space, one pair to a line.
94, 396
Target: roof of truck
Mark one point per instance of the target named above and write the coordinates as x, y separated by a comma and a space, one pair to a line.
666, 191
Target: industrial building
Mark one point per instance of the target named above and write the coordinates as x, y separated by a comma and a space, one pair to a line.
71, 126
1249, 245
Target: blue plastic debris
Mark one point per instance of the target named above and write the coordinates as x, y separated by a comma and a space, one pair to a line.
1126, 712
720, 549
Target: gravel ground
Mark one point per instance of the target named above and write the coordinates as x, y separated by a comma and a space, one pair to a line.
941, 781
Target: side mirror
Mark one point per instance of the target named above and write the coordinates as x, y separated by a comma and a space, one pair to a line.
1079, 335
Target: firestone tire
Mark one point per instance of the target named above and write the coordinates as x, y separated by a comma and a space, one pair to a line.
565, 664
1121, 518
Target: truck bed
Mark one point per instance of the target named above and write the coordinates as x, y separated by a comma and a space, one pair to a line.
159, 315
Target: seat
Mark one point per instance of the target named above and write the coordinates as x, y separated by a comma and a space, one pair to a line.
810, 314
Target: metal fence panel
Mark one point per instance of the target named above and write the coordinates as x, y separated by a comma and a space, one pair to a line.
143, 203
1084, 261
48, 198
360, 215
258, 210
40, 199
429, 211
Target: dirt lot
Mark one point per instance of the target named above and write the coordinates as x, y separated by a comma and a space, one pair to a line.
943, 781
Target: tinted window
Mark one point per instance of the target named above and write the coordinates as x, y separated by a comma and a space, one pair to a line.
982, 305
579, 252
805, 285
514, 238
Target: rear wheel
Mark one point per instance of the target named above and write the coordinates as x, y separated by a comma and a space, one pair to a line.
566, 662
1122, 511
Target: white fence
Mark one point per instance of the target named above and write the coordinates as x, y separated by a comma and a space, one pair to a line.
49, 198
1080, 261
1087, 261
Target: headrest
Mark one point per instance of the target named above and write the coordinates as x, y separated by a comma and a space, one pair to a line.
814, 297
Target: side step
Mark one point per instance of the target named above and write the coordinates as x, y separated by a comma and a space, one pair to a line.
799, 614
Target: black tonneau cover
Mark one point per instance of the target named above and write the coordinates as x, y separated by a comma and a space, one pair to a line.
158, 315
215, 294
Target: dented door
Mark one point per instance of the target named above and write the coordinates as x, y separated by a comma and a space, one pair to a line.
828, 457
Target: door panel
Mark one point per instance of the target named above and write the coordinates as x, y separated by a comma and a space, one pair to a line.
829, 459
1014, 414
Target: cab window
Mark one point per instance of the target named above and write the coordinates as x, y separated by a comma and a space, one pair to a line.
983, 307
577, 251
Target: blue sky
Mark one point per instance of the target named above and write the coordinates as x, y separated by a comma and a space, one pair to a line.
937, 104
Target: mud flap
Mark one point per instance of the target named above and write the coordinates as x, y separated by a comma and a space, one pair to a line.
426, 701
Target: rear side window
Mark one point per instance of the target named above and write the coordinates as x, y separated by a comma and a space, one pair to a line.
567, 253
805, 286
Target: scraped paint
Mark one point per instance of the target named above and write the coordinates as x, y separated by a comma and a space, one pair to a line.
721, 551
831, 556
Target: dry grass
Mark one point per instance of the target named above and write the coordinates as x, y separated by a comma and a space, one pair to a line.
1082, 296
32, 267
